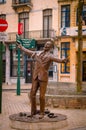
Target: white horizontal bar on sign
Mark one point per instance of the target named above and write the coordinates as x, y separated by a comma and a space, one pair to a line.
3, 25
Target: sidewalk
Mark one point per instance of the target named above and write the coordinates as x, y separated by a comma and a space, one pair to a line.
14, 86
11, 103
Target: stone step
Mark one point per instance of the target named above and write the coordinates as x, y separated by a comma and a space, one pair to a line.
65, 101
63, 88
64, 95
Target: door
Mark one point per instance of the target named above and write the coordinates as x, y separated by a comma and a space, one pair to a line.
84, 71
3, 72
29, 66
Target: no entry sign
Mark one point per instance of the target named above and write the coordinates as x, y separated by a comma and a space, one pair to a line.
3, 25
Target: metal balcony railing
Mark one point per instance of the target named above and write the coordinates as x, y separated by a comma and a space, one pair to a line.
14, 2
37, 34
12, 36
42, 34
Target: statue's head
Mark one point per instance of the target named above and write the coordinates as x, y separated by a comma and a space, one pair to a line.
48, 45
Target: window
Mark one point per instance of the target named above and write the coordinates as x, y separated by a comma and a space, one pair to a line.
65, 50
3, 16
83, 15
47, 23
50, 71
14, 63
24, 18
65, 16
2, 1
23, 1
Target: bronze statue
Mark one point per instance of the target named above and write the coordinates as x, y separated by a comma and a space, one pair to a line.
40, 74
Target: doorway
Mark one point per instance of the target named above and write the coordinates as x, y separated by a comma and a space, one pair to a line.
3, 72
84, 71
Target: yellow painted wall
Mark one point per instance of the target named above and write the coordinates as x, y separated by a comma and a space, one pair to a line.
73, 41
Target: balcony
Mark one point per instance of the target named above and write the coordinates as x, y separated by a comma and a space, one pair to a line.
72, 31
37, 34
18, 4
40, 34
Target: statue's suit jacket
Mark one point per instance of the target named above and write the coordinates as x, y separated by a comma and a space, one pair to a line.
42, 63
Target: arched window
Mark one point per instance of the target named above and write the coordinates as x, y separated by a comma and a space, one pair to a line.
24, 18
47, 23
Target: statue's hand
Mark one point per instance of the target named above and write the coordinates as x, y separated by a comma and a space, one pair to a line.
18, 45
66, 60
33, 55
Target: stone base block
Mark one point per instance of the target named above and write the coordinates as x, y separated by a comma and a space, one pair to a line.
23, 121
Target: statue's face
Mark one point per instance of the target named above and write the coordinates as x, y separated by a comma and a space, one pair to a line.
48, 46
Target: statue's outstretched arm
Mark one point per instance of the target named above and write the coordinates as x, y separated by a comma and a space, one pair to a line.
54, 59
27, 51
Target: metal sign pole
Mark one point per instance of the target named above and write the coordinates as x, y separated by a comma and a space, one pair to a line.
20, 31
27, 44
3, 27
18, 71
0, 77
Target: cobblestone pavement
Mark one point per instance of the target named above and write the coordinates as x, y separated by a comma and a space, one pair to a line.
11, 103
81, 128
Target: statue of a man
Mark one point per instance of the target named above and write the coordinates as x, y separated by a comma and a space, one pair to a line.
40, 74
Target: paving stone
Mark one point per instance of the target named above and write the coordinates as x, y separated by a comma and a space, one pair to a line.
12, 104
81, 128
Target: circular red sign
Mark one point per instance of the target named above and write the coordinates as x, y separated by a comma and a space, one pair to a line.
3, 25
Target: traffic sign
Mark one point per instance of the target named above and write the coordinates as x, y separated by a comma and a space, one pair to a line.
3, 36
3, 25
27, 43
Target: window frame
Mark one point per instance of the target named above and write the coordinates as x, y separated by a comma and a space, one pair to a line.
47, 15
23, 1
83, 13
2, 1
13, 61
23, 17
65, 49
65, 13
3, 16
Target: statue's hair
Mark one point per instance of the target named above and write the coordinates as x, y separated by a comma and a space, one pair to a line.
52, 41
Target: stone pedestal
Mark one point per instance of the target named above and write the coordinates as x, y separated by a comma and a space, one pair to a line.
51, 121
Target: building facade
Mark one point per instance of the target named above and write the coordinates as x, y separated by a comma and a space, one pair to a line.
67, 35
39, 23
